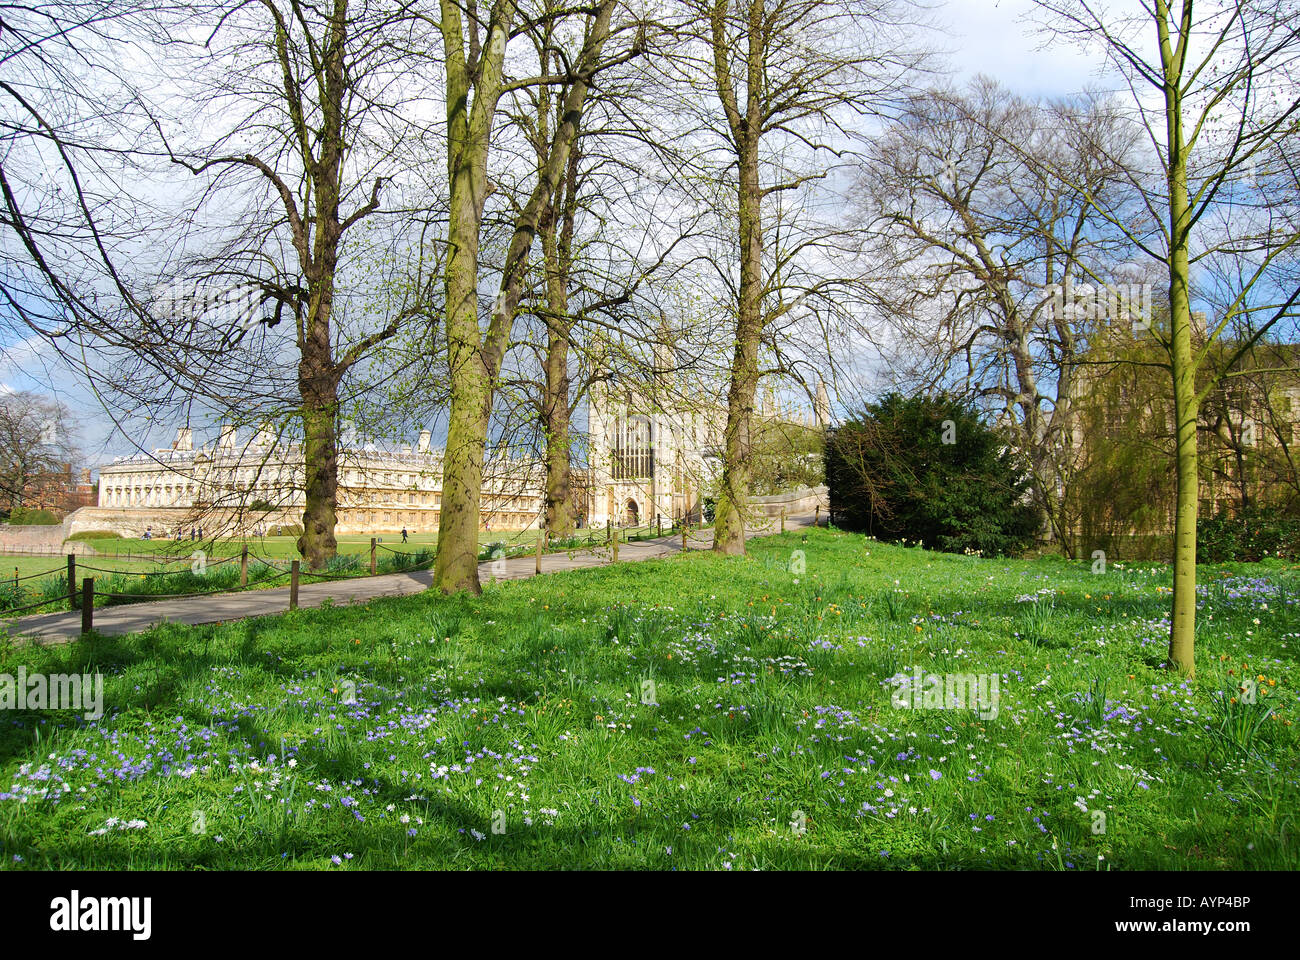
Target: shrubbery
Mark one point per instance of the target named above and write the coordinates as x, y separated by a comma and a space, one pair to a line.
1247, 536
21, 516
929, 469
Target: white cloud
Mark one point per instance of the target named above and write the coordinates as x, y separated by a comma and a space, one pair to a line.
996, 38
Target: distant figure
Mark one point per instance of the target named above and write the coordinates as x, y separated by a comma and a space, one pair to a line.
403, 534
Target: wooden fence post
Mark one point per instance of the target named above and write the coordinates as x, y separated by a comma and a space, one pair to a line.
72, 581
87, 604
373, 566
243, 566
293, 586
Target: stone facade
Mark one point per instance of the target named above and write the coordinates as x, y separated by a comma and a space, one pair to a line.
248, 487
651, 458
656, 449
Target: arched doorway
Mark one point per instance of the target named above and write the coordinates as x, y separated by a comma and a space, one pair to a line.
632, 516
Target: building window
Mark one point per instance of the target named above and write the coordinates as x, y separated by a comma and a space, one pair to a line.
631, 447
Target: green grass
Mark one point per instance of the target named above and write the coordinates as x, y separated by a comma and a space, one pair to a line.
696, 712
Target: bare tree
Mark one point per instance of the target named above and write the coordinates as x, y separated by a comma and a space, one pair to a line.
36, 439
972, 248
789, 82
308, 115
475, 65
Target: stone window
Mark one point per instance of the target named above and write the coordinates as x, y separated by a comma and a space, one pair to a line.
631, 446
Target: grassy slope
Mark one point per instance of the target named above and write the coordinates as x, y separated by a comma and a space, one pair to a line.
772, 700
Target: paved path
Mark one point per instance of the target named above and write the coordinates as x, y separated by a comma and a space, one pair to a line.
134, 617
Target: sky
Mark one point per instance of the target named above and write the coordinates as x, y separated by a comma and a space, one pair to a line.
991, 37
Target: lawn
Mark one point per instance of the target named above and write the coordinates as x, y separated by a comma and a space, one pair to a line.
695, 712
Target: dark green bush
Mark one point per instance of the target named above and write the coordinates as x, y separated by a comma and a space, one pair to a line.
929, 470
1247, 536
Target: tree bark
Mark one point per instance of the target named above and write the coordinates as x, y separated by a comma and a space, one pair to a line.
557, 411
733, 496
475, 358
1182, 630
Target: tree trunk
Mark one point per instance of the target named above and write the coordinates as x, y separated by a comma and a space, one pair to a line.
318, 386
733, 497
557, 412
746, 126
320, 461
456, 567
475, 358
1182, 630
556, 415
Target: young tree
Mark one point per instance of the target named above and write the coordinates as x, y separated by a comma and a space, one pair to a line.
1215, 88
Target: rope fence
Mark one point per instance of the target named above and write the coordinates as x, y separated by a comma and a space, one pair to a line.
32, 576
293, 569
32, 606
